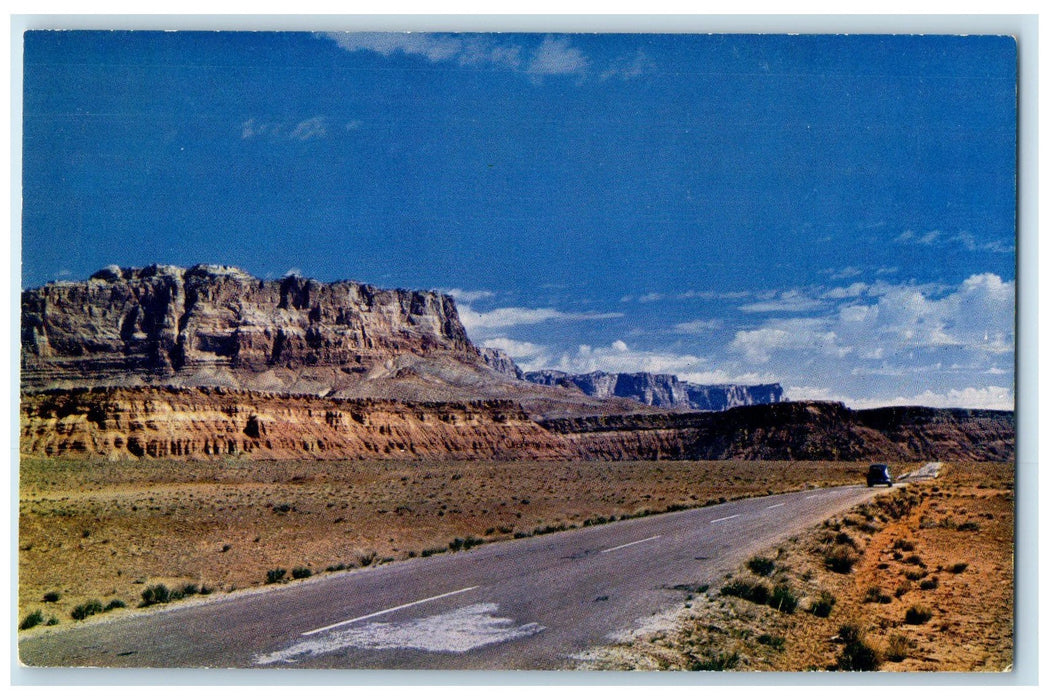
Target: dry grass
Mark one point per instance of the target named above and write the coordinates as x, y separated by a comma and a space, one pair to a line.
940, 549
103, 530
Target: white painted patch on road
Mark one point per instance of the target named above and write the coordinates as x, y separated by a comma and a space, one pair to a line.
630, 544
778, 505
455, 632
718, 520
815, 495
387, 610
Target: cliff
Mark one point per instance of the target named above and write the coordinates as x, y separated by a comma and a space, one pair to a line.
661, 390
797, 430
201, 423
212, 325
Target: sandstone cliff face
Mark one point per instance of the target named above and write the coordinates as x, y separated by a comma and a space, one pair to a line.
211, 325
201, 423
661, 390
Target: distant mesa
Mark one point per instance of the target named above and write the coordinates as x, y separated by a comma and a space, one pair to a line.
661, 390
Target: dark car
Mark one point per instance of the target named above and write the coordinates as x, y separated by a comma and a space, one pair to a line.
879, 474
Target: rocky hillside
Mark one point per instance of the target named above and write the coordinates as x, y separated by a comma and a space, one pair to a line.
797, 430
201, 423
661, 390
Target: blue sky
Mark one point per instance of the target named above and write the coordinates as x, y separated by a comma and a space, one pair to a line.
835, 213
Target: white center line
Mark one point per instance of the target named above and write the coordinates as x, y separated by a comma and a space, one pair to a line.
778, 505
387, 610
812, 496
718, 520
630, 544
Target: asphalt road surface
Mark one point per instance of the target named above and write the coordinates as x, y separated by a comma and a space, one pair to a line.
524, 604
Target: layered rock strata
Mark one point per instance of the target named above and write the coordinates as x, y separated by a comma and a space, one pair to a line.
208, 423
201, 423
797, 430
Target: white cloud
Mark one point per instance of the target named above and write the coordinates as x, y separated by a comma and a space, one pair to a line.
630, 67
519, 316
556, 56
619, 357
309, 129
962, 239
432, 47
788, 334
525, 354
651, 297
312, 128
468, 297
990, 397
853, 290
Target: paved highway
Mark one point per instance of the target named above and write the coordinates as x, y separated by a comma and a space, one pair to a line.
522, 604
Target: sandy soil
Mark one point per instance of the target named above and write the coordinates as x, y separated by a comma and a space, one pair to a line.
931, 589
92, 530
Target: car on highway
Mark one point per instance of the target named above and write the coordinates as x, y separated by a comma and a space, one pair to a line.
878, 474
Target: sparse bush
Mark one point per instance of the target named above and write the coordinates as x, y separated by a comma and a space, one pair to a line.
856, 655
773, 641
718, 662
156, 594
282, 508
114, 604
85, 610
190, 589
31, 620
917, 615
929, 584
844, 538
762, 566
366, 558
970, 526
754, 592
52, 597
301, 572
897, 648
916, 575
874, 595
822, 606
914, 559
902, 589
51, 621
783, 599
903, 545
958, 568
840, 559
275, 575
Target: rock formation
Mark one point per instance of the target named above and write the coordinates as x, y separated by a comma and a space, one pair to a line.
806, 430
661, 390
212, 325
201, 423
